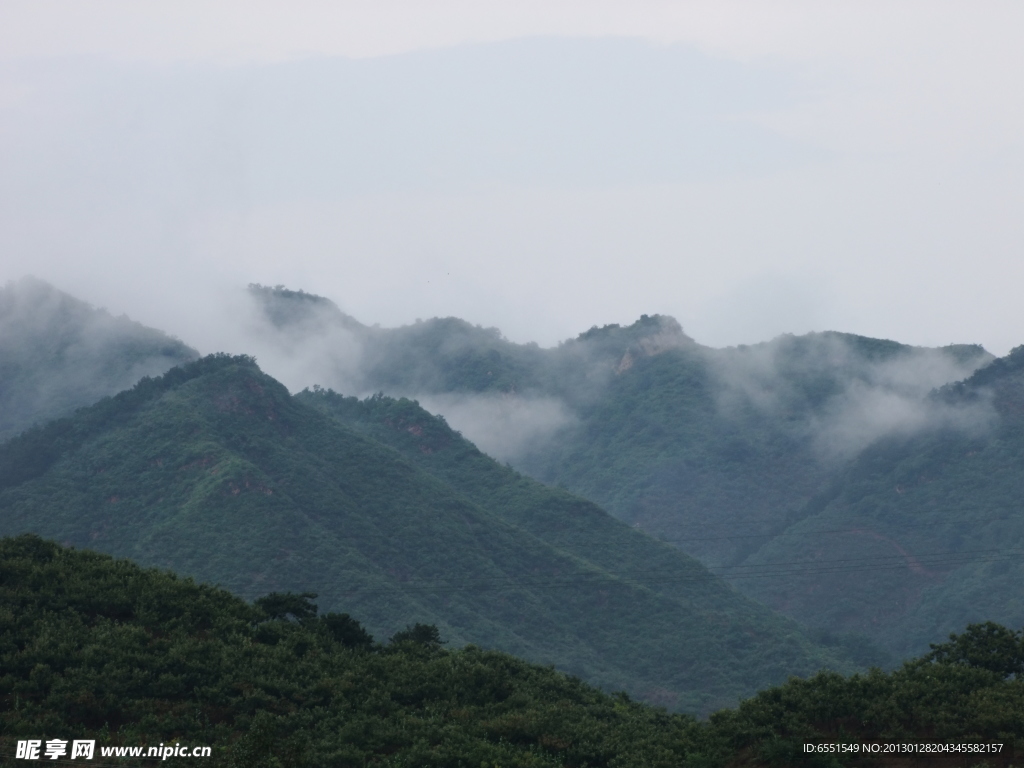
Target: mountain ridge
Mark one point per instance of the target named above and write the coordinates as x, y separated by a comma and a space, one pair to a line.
216, 470
720, 452
58, 353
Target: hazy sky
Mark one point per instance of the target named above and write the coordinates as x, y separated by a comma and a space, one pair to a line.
749, 168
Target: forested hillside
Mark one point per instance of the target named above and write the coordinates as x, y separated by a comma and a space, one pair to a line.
216, 471
920, 534
716, 449
96, 648
58, 354
786, 467
739, 456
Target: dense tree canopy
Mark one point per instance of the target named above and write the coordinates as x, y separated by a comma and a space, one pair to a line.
92, 647
216, 471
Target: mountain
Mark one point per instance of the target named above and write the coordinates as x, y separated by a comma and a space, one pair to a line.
744, 458
101, 649
58, 354
145, 658
715, 450
216, 471
921, 533
730, 455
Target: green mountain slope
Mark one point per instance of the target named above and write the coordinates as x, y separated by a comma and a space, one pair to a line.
731, 454
922, 533
717, 450
214, 470
99, 649
144, 658
58, 354
554, 515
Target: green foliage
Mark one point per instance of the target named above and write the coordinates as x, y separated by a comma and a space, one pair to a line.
763, 462
788, 466
33, 452
216, 471
97, 648
924, 702
92, 647
346, 630
285, 605
985, 646
606, 545
426, 635
928, 524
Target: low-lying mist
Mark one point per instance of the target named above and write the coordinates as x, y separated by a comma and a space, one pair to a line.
836, 392
505, 426
58, 354
302, 340
844, 392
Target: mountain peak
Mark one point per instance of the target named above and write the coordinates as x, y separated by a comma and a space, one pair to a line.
297, 310
60, 353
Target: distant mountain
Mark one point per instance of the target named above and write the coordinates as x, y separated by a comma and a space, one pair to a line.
727, 454
448, 355
920, 534
736, 456
216, 471
718, 450
58, 354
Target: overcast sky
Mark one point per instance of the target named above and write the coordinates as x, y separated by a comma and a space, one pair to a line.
749, 168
